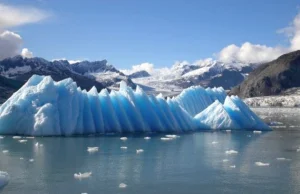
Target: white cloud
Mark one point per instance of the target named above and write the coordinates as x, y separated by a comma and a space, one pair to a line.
26, 53
257, 53
10, 44
11, 16
141, 67
250, 53
70, 61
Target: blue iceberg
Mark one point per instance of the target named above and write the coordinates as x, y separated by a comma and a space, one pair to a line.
43, 107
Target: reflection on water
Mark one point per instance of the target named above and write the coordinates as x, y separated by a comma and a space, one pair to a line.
189, 164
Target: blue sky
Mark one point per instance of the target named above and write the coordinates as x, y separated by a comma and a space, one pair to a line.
130, 32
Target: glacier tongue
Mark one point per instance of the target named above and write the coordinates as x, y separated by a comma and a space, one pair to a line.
43, 107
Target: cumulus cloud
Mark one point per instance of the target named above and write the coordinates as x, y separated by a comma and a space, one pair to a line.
26, 53
10, 44
70, 61
257, 53
11, 16
141, 67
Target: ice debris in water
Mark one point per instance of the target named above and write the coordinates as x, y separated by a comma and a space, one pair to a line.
166, 138
5, 151
225, 160
23, 141
257, 132
232, 166
29, 137
82, 175
123, 138
172, 136
147, 138
214, 142
31, 160
122, 185
283, 159
228, 130
16, 137
4, 179
231, 152
62, 108
1, 137
123, 147
261, 164
138, 151
21, 158
92, 149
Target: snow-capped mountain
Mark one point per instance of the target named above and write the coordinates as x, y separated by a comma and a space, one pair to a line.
86, 74
207, 73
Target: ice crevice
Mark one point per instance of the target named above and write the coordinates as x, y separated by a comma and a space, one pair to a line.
44, 107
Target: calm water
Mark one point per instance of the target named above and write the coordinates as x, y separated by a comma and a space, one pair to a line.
189, 164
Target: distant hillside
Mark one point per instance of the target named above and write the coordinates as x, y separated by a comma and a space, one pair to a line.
8, 87
272, 78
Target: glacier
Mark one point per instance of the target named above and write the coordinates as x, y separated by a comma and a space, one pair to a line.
43, 107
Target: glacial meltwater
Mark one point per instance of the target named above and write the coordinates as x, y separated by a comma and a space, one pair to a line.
203, 162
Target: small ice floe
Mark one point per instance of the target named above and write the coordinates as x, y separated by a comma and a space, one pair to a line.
29, 137
123, 138
5, 151
1, 137
123, 148
257, 132
37, 144
283, 159
248, 135
172, 136
214, 142
147, 138
21, 158
92, 149
31, 160
41, 145
166, 138
138, 151
261, 164
225, 160
82, 175
232, 166
231, 152
16, 137
228, 131
84, 193
23, 141
4, 179
122, 185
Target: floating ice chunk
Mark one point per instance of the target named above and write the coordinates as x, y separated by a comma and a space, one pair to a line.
21, 158
82, 175
172, 136
232, 166
122, 185
1, 137
36, 144
5, 151
231, 152
257, 132
166, 138
283, 159
23, 141
261, 164
228, 130
138, 151
147, 138
16, 137
31, 160
214, 142
4, 179
92, 149
41, 145
123, 148
123, 138
30, 137
225, 160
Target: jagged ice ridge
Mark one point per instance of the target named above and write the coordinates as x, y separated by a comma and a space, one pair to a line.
43, 107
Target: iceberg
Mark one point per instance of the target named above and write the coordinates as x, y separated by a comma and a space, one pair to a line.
43, 107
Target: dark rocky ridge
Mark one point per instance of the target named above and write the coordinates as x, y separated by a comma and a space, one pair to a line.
272, 78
